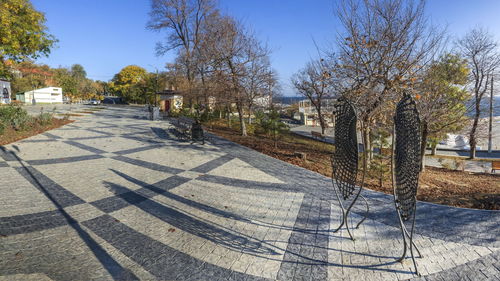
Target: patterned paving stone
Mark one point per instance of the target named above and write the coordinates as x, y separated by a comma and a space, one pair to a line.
87, 179
51, 150
19, 196
237, 169
116, 197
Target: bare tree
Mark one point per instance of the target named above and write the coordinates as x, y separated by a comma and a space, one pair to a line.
237, 50
314, 83
257, 83
184, 21
481, 51
383, 46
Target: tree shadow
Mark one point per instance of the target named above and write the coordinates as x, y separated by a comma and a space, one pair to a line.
218, 212
188, 223
176, 217
191, 203
113, 267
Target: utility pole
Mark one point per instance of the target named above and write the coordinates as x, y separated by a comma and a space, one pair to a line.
491, 118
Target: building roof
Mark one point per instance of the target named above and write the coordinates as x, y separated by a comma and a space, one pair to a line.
169, 92
45, 88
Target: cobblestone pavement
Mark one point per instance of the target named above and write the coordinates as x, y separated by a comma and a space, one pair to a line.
57, 108
114, 196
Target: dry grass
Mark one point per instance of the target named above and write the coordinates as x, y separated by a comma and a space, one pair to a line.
454, 188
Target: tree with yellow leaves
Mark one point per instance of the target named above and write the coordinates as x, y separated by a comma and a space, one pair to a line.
125, 83
23, 34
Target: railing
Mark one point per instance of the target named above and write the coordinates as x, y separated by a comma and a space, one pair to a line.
312, 110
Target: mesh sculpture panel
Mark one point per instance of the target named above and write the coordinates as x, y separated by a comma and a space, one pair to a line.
345, 162
345, 156
407, 156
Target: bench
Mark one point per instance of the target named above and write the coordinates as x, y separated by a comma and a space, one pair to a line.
183, 127
317, 135
495, 165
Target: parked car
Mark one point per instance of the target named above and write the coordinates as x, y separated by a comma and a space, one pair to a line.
95, 102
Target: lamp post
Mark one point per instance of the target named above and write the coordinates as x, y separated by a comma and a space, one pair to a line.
156, 85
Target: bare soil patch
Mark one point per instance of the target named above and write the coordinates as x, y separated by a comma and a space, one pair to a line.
70, 114
10, 135
442, 186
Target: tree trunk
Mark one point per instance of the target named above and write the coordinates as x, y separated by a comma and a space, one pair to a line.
434, 149
367, 142
472, 144
472, 136
423, 145
365, 134
242, 120
365, 139
321, 120
228, 117
370, 145
490, 125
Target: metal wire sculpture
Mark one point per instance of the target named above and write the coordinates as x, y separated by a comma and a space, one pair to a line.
345, 161
406, 144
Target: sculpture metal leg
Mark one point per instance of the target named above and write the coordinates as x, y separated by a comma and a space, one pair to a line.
402, 226
408, 242
366, 213
411, 242
344, 217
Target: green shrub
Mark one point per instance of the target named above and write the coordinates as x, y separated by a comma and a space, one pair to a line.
273, 127
14, 116
185, 112
44, 118
22, 122
379, 167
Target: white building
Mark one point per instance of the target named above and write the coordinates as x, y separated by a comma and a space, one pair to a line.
263, 102
44, 95
309, 115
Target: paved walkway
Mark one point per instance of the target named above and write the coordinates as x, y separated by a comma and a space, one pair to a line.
306, 132
57, 108
113, 196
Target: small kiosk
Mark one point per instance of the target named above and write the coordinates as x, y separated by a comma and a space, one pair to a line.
170, 101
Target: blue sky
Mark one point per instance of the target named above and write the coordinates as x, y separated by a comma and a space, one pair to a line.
106, 35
